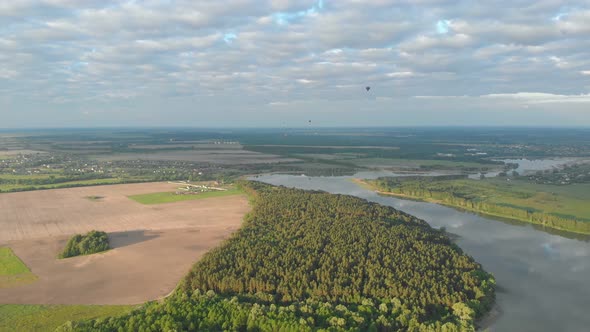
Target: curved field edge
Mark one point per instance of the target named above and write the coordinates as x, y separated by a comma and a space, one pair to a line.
507, 211
13, 272
365, 267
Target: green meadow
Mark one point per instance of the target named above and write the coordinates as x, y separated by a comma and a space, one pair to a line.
13, 272
559, 207
421, 163
170, 197
41, 318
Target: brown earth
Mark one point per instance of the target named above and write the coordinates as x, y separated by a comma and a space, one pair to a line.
37, 214
154, 245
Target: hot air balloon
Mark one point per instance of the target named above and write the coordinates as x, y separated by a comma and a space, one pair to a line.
368, 88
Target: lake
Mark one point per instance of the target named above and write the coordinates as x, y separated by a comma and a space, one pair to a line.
543, 279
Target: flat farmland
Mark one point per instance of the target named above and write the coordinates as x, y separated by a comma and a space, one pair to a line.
153, 245
38, 214
226, 156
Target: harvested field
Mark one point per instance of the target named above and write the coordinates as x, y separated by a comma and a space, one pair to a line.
38, 214
153, 245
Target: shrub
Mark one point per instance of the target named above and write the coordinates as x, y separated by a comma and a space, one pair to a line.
91, 243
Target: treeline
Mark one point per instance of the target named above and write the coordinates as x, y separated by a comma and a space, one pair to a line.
33, 181
418, 151
429, 188
306, 261
98, 182
90, 243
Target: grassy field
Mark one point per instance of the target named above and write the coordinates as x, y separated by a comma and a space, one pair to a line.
516, 199
569, 200
24, 318
425, 163
170, 197
13, 271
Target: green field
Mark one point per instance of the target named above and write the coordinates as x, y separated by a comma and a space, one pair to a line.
170, 197
13, 271
24, 318
559, 207
424, 163
569, 200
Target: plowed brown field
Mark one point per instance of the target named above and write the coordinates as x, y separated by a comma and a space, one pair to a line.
154, 245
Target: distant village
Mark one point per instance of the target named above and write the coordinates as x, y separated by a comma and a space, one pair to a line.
188, 188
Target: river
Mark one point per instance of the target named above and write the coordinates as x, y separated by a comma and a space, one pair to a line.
543, 279
530, 166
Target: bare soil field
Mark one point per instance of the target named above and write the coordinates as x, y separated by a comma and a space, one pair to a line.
38, 214
154, 246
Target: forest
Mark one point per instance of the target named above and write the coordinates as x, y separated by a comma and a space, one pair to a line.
552, 207
307, 261
90, 243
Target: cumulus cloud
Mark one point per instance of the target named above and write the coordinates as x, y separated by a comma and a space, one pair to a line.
255, 52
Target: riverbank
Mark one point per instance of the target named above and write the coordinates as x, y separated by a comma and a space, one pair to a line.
554, 210
542, 261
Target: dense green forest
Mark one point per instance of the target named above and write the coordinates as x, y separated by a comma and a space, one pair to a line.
550, 207
307, 261
90, 243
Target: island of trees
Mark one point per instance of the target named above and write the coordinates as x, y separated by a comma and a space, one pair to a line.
90, 243
308, 261
558, 207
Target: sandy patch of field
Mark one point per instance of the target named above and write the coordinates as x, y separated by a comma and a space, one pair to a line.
154, 245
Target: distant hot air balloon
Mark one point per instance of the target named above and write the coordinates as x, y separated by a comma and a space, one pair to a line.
368, 88
310, 122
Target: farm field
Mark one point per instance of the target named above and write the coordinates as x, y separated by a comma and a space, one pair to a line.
38, 214
227, 156
12, 270
153, 246
41, 318
67, 184
170, 197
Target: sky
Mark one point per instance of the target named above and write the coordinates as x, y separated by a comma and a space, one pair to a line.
275, 63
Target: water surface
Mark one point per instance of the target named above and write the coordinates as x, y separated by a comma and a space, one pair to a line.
543, 278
